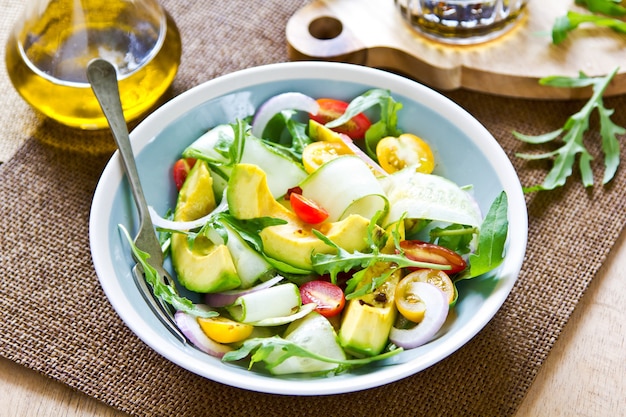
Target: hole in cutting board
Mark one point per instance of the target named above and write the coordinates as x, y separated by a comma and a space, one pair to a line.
325, 27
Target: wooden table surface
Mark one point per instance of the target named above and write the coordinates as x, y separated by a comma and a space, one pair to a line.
584, 375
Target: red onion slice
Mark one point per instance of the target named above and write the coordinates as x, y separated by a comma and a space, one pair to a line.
365, 157
436, 313
226, 298
278, 103
189, 326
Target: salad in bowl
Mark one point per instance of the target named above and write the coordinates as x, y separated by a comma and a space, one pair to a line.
326, 235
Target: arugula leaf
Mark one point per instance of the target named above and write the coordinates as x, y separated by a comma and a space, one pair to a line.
351, 287
229, 148
287, 135
610, 144
249, 229
573, 136
235, 152
165, 236
386, 126
565, 24
491, 240
456, 237
260, 349
163, 291
607, 7
299, 137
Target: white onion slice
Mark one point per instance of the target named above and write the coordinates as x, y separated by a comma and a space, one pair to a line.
189, 326
225, 298
164, 223
365, 157
278, 103
434, 317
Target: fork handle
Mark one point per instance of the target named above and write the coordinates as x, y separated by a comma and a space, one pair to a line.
103, 78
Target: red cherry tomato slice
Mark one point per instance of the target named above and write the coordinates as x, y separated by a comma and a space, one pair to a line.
329, 297
330, 109
181, 169
417, 250
306, 209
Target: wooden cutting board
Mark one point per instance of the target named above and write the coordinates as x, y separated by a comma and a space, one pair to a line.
372, 33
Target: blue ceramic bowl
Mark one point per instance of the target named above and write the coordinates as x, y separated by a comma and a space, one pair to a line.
465, 151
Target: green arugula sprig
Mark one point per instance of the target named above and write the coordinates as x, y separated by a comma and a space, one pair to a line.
275, 350
456, 237
344, 261
573, 135
491, 240
287, 135
163, 291
563, 25
229, 148
352, 291
608, 7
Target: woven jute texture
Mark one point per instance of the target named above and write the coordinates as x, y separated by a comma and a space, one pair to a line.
54, 317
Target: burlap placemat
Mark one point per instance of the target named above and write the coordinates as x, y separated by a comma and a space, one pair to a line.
54, 317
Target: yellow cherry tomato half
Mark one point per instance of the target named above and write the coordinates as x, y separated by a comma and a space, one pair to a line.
409, 304
224, 330
396, 153
316, 154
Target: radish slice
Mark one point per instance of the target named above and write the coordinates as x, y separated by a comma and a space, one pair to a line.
189, 326
223, 299
278, 103
436, 313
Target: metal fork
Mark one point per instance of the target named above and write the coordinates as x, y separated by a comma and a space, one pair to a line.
103, 78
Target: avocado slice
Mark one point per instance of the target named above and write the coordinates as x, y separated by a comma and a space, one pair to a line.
249, 197
376, 311
367, 320
319, 132
205, 266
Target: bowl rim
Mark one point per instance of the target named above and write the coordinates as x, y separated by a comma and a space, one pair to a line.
154, 123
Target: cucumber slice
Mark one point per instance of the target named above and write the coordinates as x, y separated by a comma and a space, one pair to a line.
279, 321
282, 172
314, 333
344, 186
205, 146
250, 265
277, 301
430, 197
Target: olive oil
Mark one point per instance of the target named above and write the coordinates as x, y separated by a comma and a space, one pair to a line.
461, 22
47, 59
